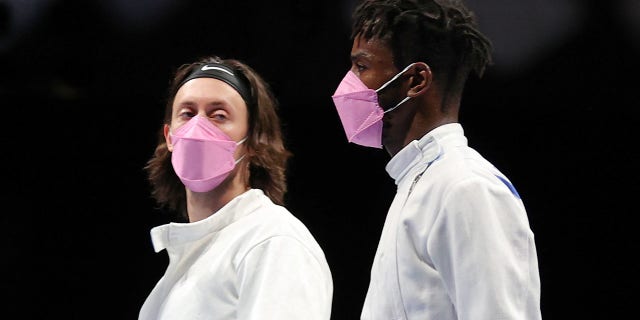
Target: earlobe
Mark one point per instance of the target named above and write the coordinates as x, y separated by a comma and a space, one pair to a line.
167, 137
422, 79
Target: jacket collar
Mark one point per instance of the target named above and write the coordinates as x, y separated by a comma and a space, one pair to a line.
416, 156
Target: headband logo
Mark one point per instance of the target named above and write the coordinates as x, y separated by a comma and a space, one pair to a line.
205, 68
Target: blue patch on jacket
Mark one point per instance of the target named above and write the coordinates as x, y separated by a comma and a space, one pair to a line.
510, 186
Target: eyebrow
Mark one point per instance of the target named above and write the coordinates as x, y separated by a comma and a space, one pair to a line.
359, 55
218, 103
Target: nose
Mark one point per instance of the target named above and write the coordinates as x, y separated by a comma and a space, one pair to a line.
203, 113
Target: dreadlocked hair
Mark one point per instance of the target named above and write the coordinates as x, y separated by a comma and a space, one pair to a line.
442, 33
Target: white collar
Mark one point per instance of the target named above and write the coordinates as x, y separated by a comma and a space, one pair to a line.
419, 154
175, 234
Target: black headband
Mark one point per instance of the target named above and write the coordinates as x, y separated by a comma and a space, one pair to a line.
222, 73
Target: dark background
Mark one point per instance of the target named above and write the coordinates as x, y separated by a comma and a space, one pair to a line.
82, 87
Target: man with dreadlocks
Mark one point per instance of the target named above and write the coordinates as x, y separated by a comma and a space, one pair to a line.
456, 243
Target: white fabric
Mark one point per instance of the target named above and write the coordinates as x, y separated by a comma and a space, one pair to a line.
250, 260
456, 243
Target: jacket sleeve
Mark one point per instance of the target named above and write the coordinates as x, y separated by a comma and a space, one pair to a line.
484, 249
281, 279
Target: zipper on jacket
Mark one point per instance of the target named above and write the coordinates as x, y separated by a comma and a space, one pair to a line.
415, 180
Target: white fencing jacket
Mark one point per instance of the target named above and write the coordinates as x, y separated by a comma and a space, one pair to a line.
250, 260
456, 243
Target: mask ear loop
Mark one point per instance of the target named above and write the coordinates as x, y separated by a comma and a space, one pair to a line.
391, 80
241, 141
397, 105
239, 159
237, 144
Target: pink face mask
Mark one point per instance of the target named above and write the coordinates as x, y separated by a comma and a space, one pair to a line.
202, 154
359, 109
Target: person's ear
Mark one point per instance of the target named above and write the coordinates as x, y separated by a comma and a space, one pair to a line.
421, 79
167, 137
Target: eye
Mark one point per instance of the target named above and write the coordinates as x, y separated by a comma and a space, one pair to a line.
219, 115
360, 67
186, 114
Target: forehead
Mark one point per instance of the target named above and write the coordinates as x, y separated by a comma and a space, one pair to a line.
374, 50
203, 89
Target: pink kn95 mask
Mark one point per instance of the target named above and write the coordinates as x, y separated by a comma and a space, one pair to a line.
359, 109
202, 154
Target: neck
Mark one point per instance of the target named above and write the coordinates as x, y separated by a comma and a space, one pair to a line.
423, 115
201, 205
434, 111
